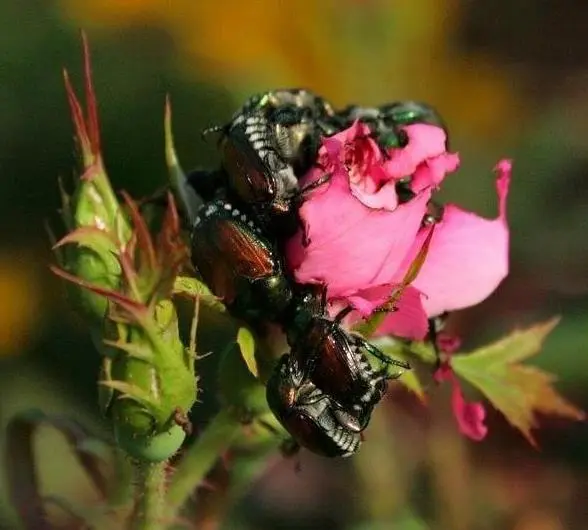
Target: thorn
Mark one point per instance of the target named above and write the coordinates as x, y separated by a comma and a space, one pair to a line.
203, 356
91, 104
181, 419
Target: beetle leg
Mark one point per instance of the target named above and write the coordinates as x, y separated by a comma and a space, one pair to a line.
436, 325
290, 448
347, 420
341, 315
313, 397
211, 130
315, 184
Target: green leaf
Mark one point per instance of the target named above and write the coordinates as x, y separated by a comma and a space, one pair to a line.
188, 202
412, 382
239, 391
518, 391
246, 343
425, 351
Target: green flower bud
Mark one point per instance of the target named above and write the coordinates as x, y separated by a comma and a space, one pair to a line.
93, 217
152, 384
148, 380
121, 280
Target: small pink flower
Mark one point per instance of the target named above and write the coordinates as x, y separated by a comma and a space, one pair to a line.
359, 241
351, 246
357, 234
470, 416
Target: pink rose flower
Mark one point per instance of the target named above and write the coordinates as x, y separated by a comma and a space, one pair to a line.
359, 239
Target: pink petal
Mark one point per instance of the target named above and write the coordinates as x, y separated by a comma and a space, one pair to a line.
386, 197
354, 152
366, 300
433, 171
333, 146
352, 247
424, 142
443, 373
470, 416
448, 343
410, 320
468, 255
398, 237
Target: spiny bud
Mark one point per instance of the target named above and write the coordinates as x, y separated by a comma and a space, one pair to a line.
121, 279
95, 223
148, 377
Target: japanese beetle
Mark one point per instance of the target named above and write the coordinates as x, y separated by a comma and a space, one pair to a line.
238, 263
208, 184
298, 119
308, 414
327, 358
270, 142
336, 362
385, 121
339, 362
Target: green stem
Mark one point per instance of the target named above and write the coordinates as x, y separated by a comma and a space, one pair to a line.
149, 512
199, 459
121, 491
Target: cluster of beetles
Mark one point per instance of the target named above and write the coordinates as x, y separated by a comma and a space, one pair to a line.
324, 389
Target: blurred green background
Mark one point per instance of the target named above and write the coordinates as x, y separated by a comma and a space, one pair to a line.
510, 78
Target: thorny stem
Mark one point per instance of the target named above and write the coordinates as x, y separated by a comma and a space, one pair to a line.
199, 459
149, 512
